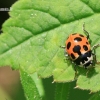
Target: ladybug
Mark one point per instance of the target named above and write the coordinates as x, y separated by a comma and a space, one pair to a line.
79, 51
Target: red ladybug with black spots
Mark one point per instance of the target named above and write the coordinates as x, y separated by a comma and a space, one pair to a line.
79, 51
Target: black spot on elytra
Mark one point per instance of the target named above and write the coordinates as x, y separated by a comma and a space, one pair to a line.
81, 35
68, 45
76, 49
78, 39
87, 43
85, 47
72, 56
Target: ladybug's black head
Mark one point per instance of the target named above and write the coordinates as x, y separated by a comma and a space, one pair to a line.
89, 60
85, 60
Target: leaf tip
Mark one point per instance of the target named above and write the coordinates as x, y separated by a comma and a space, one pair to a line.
76, 87
90, 92
53, 81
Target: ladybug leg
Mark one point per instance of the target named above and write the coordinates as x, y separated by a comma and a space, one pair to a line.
62, 47
86, 31
75, 77
93, 48
94, 58
87, 72
65, 53
67, 57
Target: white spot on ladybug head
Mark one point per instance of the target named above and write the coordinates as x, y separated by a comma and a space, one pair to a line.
89, 59
89, 62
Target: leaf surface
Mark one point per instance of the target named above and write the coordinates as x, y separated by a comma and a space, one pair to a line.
36, 30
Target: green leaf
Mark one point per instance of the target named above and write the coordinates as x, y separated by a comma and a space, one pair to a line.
37, 28
91, 81
96, 96
62, 91
29, 86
